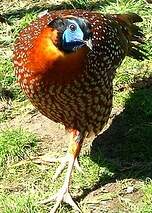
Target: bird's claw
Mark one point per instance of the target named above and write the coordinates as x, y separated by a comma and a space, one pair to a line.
61, 195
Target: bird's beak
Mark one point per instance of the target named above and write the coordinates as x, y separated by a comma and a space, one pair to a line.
88, 43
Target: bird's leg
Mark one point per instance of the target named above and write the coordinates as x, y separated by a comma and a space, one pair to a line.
63, 160
63, 194
75, 137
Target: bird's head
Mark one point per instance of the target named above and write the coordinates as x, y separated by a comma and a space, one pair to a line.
59, 49
73, 33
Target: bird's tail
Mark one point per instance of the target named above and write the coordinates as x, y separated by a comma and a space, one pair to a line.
133, 33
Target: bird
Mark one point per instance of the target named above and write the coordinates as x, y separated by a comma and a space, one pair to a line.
65, 62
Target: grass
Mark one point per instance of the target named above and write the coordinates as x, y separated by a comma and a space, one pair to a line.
121, 156
147, 188
14, 145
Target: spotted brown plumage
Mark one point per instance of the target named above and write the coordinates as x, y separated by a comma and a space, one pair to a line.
68, 80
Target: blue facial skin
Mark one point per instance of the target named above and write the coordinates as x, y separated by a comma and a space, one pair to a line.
72, 39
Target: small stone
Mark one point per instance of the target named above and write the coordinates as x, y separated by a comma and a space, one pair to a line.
130, 189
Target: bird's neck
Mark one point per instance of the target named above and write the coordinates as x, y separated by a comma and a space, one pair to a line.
53, 65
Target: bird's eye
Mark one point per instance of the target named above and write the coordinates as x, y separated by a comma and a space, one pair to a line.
72, 27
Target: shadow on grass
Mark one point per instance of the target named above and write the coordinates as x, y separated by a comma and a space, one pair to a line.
126, 146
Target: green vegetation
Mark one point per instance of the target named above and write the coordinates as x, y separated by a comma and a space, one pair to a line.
14, 144
118, 158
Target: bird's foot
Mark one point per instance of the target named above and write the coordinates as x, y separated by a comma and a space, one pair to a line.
62, 195
63, 162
